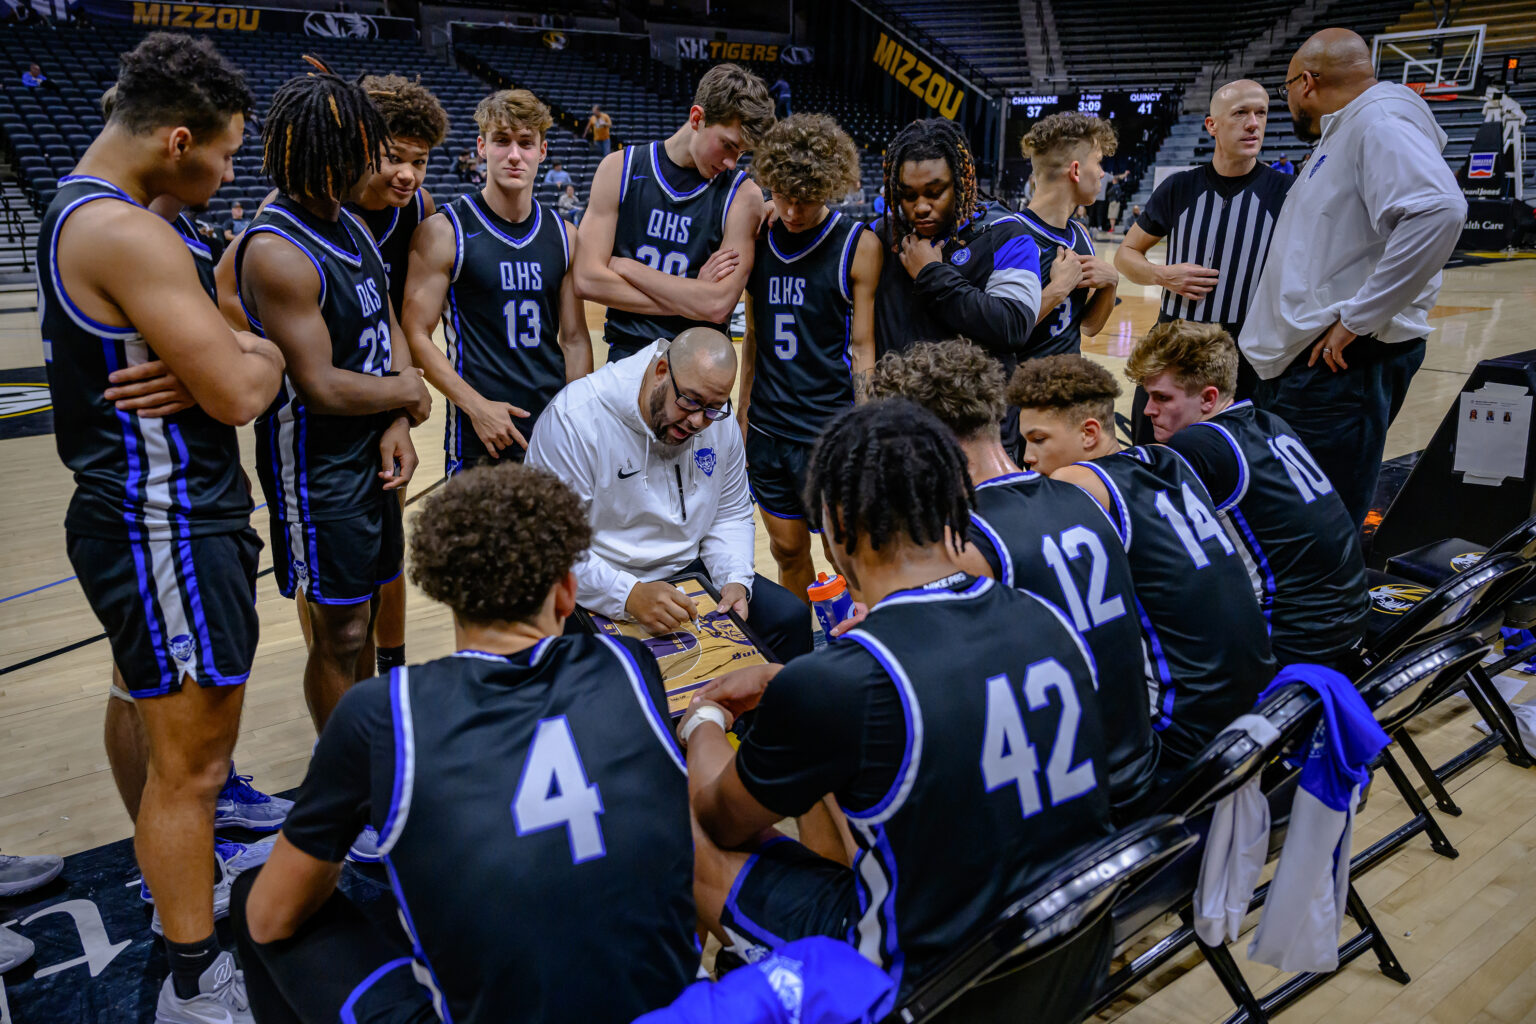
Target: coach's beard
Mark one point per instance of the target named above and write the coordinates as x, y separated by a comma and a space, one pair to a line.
662, 444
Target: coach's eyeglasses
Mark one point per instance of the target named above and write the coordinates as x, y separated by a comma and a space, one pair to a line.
1285, 87
688, 402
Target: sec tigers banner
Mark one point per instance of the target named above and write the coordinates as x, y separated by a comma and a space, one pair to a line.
230, 18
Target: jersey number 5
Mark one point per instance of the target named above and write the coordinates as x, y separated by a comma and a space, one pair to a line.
554, 792
1007, 757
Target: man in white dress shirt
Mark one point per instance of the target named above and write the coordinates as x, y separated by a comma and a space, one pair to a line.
1337, 325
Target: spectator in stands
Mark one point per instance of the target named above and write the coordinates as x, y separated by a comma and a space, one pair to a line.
468, 168
569, 204
558, 176
599, 125
1284, 165
1340, 316
880, 202
33, 77
1217, 219
779, 90
569, 727
237, 222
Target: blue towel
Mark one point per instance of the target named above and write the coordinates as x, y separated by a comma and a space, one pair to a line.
809, 981
1347, 739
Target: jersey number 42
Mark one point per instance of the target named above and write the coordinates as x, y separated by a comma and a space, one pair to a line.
1007, 756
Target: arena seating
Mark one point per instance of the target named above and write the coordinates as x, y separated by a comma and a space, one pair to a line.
990, 35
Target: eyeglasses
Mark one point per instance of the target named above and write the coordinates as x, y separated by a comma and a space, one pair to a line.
1285, 87
692, 405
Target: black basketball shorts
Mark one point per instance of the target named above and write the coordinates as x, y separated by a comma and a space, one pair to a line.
776, 476
786, 892
173, 608
339, 561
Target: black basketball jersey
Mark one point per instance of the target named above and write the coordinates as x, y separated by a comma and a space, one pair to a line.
202, 254
802, 311
532, 811
147, 479
1059, 329
313, 466
1053, 539
1292, 529
993, 761
672, 219
392, 228
1208, 641
502, 319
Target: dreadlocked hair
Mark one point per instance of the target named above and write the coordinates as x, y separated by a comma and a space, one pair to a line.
934, 138
322, 134
889, 470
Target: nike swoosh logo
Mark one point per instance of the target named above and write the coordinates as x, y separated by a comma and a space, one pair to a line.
625, 476
472, 234
207, 1014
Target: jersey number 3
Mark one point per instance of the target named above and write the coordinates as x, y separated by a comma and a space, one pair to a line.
1007, 756
554, 792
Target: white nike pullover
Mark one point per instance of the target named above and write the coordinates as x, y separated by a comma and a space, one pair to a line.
650, 515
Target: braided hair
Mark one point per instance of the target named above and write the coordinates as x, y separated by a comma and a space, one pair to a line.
935, 138
888, 469
322, 134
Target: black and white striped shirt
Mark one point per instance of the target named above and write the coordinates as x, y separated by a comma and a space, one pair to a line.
1217, 222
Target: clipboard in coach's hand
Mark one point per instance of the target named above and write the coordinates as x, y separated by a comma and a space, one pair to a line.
695, 653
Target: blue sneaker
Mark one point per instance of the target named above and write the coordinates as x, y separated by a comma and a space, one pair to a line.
244, 806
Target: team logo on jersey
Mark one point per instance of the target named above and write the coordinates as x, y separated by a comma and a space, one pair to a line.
1463, 562
961, 257
182, 648
786, 979
1397, 598
301, 572
704, 458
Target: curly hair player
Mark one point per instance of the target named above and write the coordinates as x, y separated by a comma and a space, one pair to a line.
920, 723
544, 761
1208, 641
1077, 288
1041, 535
159, 527
956, 265
810, 340
667, 240
494, 268
337, 440
1303, 554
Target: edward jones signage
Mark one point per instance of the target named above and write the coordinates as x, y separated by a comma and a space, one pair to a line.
922, 79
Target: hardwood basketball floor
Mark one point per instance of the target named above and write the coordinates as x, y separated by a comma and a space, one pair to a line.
1465, 929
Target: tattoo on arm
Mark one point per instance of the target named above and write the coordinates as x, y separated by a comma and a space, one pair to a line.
860, 387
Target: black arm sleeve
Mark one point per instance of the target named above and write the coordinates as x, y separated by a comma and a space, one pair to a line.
1001, 326
333, 803
1213, 459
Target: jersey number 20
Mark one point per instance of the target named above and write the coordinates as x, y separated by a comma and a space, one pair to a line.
554, 791
1007, 756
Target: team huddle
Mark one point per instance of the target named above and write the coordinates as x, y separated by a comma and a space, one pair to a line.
1049, 627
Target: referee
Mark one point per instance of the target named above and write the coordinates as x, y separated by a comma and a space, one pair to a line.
1217, 219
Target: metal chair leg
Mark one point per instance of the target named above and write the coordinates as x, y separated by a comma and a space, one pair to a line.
1386, 959
1437, 790
1490, 703
1422, 821
1236, 985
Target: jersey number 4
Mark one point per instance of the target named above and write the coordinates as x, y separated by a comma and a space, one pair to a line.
554, 792
1007, 756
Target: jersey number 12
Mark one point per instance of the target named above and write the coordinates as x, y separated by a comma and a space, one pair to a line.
554, 792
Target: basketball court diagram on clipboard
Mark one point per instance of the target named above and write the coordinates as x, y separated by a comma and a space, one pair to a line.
696, 652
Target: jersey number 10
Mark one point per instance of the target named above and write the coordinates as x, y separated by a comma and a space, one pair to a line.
554, 791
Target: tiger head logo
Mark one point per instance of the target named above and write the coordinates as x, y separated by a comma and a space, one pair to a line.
1463, 562
1397, 598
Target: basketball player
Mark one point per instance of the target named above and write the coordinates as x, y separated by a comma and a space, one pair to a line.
947, 673
1283, 514
1217, 219
810, 339
1068, 151
1208, 640
392, 204
543, 761
668, 237
337, 440
493, 267
158, 530
1040, 535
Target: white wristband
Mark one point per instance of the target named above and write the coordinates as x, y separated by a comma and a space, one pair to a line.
707, 713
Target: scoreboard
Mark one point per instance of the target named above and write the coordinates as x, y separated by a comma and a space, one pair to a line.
1135, 114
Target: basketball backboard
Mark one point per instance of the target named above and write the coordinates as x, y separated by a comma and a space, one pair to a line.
1431, 62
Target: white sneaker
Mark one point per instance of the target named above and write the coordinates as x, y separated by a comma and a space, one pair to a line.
225, 854
220, 999
15, 949
365, 848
